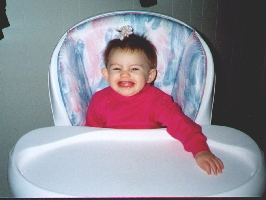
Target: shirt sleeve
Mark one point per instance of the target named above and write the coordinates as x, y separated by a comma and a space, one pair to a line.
94, 114
181, 127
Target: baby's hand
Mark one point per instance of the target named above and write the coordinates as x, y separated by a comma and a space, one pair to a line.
209, 162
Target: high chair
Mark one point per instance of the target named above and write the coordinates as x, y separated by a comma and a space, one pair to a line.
70, 160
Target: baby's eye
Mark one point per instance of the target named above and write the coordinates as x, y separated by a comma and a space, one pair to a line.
135, 69
116, 69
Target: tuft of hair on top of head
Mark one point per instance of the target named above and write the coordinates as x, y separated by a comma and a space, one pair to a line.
133, 42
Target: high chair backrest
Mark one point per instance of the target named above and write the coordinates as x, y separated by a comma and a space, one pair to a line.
185, 65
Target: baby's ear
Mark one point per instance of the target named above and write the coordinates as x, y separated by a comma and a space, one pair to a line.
105, 73
152, 75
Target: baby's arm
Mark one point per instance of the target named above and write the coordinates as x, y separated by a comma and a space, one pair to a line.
209, 162
94, 114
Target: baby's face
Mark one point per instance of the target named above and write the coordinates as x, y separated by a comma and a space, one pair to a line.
128, 72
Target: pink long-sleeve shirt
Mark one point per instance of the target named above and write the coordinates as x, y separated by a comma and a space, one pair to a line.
151, 108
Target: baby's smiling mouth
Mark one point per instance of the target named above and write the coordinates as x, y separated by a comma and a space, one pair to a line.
125, 84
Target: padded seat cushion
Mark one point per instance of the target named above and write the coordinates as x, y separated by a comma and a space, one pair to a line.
181, 60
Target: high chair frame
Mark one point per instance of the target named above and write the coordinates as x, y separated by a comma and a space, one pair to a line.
60, 114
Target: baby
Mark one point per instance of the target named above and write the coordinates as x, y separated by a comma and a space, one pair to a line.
131, 102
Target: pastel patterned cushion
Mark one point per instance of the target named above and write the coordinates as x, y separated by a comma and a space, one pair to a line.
181, 60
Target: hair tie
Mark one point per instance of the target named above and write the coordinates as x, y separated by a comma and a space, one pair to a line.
125, 31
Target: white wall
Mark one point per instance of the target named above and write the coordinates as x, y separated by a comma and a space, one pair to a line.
25, 52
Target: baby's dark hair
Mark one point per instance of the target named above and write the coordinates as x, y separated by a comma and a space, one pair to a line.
133, 43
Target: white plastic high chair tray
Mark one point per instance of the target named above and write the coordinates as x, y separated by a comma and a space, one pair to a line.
83, 161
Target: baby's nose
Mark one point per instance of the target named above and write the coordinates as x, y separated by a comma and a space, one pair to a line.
125, 73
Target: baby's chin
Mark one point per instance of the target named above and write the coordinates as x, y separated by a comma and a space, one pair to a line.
127, 92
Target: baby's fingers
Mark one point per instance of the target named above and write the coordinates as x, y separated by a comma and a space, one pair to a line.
206, 167
209, 162
216, 165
